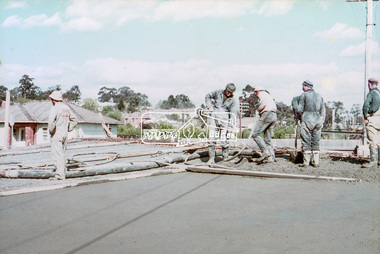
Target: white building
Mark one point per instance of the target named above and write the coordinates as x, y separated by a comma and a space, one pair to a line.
30, 124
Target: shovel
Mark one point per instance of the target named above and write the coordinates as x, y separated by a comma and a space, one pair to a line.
296, 156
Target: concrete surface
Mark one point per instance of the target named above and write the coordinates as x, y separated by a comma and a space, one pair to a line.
195, 213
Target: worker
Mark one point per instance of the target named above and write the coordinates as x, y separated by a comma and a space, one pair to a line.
312, 111
223, 109
265, 124
371, 114
61, 121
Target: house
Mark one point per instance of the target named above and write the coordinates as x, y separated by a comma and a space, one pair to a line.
29, 124
172, 116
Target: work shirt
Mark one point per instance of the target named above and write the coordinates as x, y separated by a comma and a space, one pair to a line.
61, 121
311, 108
372, 102
221, 103
268, 102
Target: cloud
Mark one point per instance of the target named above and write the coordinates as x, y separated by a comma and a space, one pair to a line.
340, 31
15, 5
85, 15
194, 77
82, 24
33, 21
323, 4
359, 50
275, 7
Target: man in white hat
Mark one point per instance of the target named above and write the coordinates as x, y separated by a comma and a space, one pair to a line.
312, 110
371, 114
222, 105
265, 124
61, 121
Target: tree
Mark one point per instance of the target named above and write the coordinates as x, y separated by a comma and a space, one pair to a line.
339, 115
45, 95
27, 88
132, 101
73, 94
171, 102
3, 93
90, 104
284, 113
121, 105
107, 109
184, 101
106, 94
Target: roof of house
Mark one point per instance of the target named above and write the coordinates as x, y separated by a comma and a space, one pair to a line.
38, 112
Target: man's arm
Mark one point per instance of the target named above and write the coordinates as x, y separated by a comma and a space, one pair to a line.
52, 121
73, 121
367, 105
301, 104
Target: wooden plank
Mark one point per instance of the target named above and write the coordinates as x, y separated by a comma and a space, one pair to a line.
224, 170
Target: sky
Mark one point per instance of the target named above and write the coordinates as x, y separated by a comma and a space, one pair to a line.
192, 47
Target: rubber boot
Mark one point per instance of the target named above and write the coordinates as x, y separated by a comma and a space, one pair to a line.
272, 157
315, 159
265, 155
211, 155
225, 152
306, 159
374, 158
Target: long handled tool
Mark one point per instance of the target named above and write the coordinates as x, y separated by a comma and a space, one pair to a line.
296, 156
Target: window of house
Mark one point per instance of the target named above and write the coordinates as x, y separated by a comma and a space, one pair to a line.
45, 136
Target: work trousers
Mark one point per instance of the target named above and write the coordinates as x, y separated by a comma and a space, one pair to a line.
310, 135
58, 150
373, 129
218, 129
265, 124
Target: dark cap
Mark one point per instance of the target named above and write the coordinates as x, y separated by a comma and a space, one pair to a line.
373, 81
231, 87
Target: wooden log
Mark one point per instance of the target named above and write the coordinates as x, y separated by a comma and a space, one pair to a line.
224, 170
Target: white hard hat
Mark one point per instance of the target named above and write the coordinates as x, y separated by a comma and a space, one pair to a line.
259, 88
56, 95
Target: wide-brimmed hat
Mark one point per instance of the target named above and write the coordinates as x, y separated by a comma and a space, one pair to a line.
56, 95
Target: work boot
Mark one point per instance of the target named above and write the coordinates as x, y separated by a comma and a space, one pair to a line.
225, 152
374, 158
264, 156
315, 159
272, 157
211, 155
306, 159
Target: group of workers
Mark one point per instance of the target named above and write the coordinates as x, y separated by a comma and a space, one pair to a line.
309, 109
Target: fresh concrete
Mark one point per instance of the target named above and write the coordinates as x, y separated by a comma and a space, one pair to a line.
195, 213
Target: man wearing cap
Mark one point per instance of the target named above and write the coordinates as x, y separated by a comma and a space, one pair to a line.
61, 121
265, 124
223, 109
312, 110
371, 114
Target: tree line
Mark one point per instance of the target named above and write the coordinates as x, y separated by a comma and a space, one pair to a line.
27, 90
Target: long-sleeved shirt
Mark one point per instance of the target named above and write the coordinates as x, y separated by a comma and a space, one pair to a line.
61, 120
221, 103
372, 102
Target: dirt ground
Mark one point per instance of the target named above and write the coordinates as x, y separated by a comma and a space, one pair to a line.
332, 165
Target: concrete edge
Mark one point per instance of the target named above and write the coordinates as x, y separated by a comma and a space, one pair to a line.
55, 185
